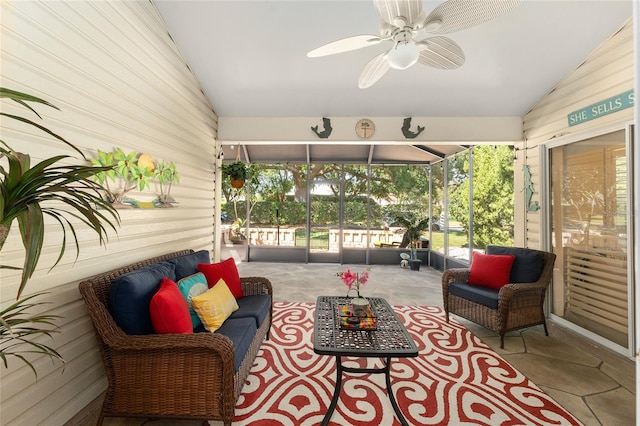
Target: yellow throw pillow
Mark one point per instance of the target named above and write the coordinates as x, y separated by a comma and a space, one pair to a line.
214, 305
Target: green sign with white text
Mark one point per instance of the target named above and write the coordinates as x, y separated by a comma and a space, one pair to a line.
608, 106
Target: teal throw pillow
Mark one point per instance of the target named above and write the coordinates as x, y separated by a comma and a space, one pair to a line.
191, 286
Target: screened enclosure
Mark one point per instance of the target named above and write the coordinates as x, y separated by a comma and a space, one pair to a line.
353, 212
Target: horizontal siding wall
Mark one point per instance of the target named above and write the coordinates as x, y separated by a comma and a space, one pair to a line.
607, 72
119, 81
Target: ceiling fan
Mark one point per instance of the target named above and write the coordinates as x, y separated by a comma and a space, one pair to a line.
405, 24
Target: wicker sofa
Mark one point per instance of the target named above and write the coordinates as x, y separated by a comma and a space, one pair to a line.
517, 305
193, 376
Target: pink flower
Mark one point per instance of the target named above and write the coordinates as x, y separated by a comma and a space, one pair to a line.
348, 278
364, 277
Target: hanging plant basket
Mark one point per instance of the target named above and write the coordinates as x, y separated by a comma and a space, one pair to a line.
237, 173
237, 183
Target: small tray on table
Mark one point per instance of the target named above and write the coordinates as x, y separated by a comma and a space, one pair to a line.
350, 322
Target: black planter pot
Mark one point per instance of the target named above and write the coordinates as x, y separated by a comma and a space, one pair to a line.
414, 264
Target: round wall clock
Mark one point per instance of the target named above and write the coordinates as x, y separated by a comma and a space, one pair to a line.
365, 128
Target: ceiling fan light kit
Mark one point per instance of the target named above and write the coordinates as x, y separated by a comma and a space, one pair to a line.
403, 55
403, 23
404, 52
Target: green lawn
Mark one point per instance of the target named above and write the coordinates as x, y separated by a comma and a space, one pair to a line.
319, 239
456, 239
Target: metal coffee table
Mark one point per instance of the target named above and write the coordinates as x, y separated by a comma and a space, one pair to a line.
390, 340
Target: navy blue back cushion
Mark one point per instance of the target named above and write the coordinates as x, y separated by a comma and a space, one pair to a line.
257, 306
527, 266
131, 294
187, 264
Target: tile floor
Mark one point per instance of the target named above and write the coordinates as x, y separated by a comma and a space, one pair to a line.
594, 384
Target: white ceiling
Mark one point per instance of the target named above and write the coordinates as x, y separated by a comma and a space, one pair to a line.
250, 57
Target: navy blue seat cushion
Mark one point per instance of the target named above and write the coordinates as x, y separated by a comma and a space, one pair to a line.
527, 265
257, 307
241, 331
483, 295
131, 293
187, 264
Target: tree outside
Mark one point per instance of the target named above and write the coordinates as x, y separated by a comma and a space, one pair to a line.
277, 195
493, 194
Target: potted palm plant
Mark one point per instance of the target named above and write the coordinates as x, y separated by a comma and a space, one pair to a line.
414, 225
28, 193
237, 235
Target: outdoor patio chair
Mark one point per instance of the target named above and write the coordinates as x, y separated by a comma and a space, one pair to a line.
518, 304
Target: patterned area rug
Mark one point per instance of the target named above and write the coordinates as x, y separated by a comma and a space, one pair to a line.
456, 380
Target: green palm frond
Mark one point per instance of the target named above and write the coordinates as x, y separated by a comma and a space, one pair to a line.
23, 99
27, 193
27, 198
413, 223
18, 328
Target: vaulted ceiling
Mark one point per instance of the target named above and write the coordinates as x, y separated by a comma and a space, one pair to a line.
250, 59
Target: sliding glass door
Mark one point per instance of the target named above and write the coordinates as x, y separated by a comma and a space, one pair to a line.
590, 199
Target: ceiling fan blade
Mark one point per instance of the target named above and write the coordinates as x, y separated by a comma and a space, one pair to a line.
345, 45
457, 15
440, 52
373, 71
410, 10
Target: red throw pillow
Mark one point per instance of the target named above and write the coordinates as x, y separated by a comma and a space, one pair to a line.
225, 270
490, 270
169, 310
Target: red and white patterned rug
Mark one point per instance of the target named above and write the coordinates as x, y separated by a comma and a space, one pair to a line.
456, 380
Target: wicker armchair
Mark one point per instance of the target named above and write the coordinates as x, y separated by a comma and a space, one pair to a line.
519, 305
168, 375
